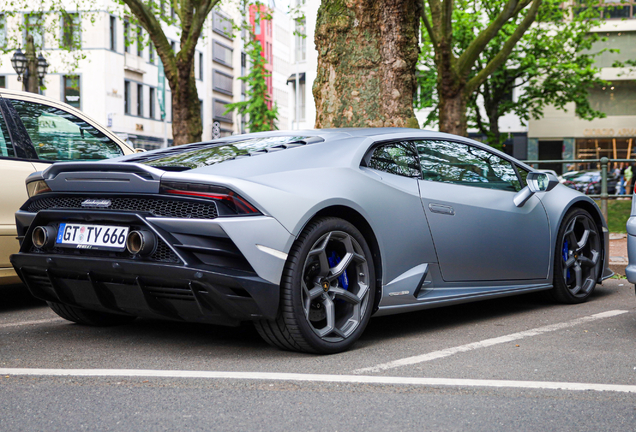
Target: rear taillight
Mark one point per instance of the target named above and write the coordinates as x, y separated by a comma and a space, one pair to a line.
37, 187
230, 199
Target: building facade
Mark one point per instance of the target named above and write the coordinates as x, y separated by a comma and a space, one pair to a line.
562, 135
114, 76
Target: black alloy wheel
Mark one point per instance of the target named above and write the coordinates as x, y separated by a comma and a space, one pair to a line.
578, 258
327, 290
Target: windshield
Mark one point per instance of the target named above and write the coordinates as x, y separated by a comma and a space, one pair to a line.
202, 156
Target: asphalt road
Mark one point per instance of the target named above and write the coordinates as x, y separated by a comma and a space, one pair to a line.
519, 363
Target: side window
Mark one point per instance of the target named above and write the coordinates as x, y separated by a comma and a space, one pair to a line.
58, 135
6, 148
458, 163
396, 158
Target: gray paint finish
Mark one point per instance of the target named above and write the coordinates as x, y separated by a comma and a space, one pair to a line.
484, 246
482, 239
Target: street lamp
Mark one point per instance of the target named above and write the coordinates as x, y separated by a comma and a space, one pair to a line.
19, 63
42, 67
30, 68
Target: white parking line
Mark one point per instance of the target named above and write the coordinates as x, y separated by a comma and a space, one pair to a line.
486, 343
23, 323
348, 379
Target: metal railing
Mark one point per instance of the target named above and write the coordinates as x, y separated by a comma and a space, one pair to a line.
603, 162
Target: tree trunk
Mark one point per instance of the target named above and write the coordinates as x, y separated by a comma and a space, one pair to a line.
452, 113
367, 53
186, 120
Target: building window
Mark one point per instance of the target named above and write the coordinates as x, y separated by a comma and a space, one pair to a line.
151, 53
219, 107
71, 30
127, 97
72, 90
301, 42
140, 100
201, 66
222, 54
126, 36
113, 33
3, 31
34, 25
222, 25
151, 103
140, 42
3, 81
613, 46
617, 99
222, 82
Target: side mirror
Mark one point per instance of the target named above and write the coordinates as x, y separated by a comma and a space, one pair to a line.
541, 181
537, 182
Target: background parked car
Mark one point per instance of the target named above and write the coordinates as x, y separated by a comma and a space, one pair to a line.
589, 182
36, 131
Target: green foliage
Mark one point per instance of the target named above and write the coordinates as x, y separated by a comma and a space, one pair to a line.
256, 106
56, 26
261, 117
618, 211
550, 65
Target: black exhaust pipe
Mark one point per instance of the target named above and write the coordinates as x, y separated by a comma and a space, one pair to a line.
141, 243
43, 237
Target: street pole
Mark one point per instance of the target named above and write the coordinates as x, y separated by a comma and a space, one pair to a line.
31, 81
604, 163
161, 94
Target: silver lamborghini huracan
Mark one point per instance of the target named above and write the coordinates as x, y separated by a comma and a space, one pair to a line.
306, 233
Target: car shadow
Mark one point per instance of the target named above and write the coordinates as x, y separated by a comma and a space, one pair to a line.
17, 297
436, 319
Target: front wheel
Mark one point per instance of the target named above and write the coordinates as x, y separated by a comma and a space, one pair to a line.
577, 261
327, 290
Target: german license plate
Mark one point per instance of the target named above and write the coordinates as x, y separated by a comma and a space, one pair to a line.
100, 237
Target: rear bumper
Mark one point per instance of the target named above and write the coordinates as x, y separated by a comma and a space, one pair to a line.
176, 292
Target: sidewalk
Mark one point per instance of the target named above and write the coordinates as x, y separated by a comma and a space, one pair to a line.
618, 253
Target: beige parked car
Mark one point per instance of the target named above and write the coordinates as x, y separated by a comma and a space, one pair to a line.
36, 131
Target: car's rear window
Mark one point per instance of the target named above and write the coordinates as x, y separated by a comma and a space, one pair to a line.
205, 155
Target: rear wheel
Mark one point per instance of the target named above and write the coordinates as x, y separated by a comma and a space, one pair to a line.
577, 261
327, 290
89, 317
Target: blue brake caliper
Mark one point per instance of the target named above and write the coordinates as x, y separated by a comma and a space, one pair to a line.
565, 255
334, 260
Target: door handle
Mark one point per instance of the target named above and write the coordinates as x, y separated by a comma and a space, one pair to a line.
441, 209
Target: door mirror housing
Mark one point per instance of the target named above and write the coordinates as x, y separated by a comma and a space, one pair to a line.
537, 182
541, 181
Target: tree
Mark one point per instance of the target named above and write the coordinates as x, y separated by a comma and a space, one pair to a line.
457, 78
550, 64
54, 24
367, 54
189, 16
257, 104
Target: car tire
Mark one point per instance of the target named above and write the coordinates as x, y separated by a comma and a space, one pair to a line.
578, 258
327, 290
89, 317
